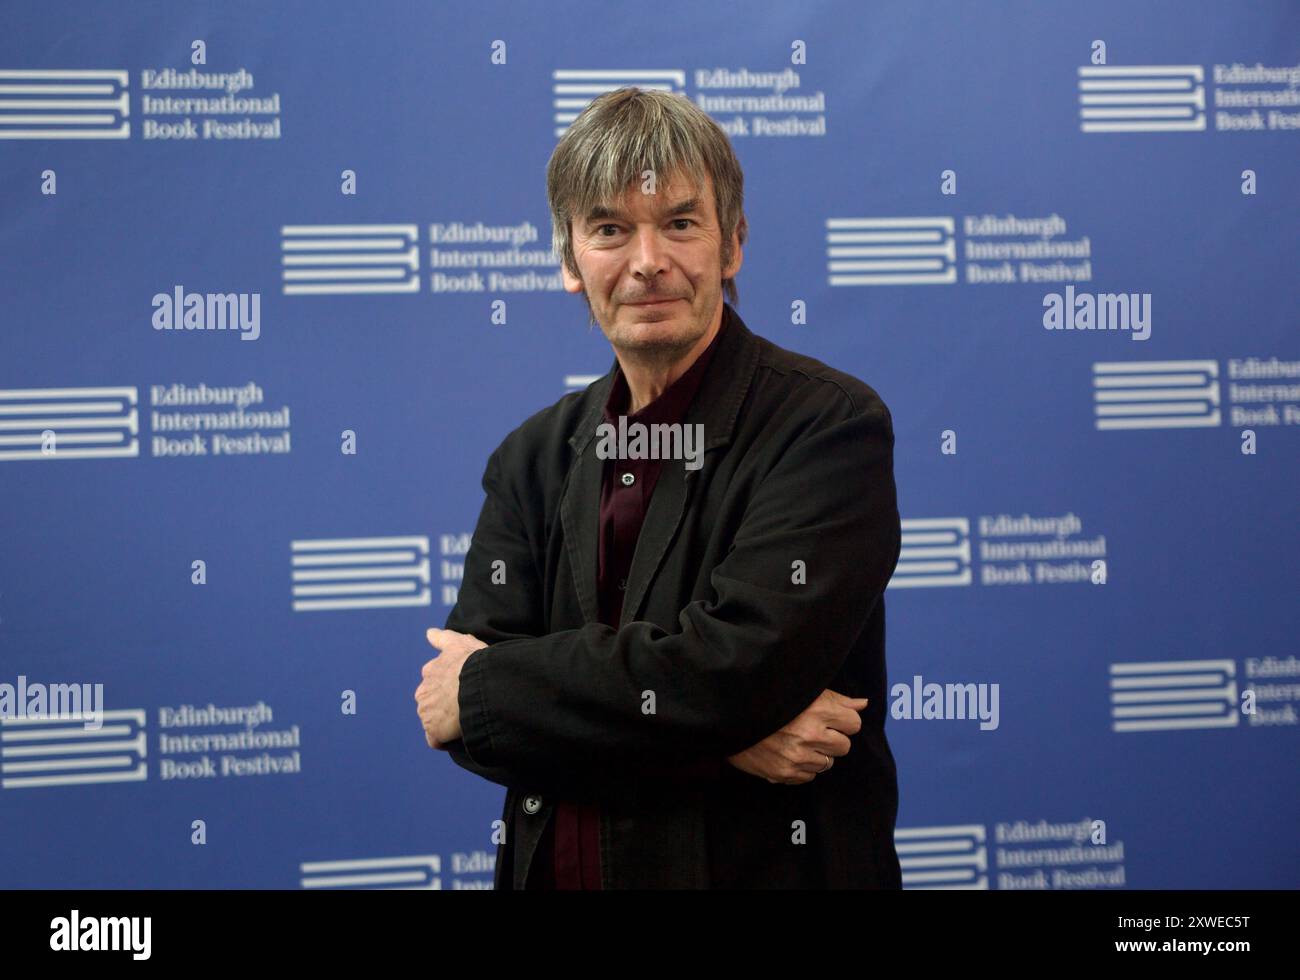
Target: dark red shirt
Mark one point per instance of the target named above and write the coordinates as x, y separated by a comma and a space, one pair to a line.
568, 854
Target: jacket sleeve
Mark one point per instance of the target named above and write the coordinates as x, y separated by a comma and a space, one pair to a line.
815, 548
493, 613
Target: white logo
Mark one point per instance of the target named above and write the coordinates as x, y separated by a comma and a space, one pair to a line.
320, 259
1141, 98
573, 89
935, 551
1148, 697
63, 104
1038, 855
943, 857
416, 872
122, 933
74, 423
360, 573
891, 251
50, 752
1156, 394
489, 258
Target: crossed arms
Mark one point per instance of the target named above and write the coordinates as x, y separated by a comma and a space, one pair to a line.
567, 709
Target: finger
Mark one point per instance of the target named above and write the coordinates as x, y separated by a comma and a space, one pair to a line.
844, 719
813, 763
434, 636
833, 743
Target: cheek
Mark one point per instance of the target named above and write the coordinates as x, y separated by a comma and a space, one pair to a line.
704, 264
598, 278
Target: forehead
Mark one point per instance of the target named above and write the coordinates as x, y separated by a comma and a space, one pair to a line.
676, 194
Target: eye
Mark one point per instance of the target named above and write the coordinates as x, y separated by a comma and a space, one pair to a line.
689, 221
600, 227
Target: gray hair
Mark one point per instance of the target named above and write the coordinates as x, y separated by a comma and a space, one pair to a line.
626, 132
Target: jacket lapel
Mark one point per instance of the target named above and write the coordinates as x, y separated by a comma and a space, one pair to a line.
715, 406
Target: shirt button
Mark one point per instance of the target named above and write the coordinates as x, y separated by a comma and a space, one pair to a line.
622, 584
628, 479
532, 804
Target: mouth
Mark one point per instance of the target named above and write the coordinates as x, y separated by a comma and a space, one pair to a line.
657, 302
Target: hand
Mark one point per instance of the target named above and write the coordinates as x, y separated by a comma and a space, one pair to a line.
438, 695
798, 752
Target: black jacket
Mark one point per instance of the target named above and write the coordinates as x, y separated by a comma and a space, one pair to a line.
756, 583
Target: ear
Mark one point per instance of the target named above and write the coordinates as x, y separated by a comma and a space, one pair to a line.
737, 256
572, 284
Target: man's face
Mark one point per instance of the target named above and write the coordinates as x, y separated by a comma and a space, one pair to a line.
662, 247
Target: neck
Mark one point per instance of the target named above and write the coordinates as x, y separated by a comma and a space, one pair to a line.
650, 373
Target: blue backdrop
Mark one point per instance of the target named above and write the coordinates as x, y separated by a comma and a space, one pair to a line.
243, 532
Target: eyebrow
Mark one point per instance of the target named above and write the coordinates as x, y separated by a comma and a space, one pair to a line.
600, 212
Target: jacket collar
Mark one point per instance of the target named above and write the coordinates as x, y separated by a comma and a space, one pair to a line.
716, 406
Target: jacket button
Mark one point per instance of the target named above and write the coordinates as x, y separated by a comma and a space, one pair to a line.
622, 585
532, 804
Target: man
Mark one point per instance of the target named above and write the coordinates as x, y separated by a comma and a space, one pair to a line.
677, 667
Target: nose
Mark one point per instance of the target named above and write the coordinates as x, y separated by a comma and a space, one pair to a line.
649, 258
